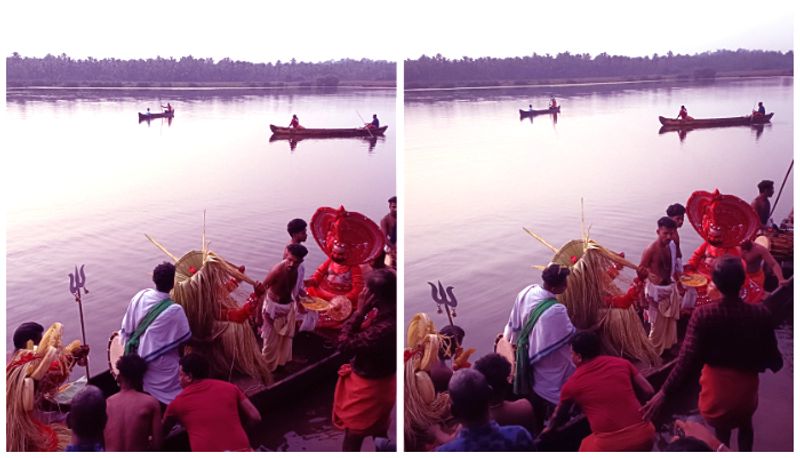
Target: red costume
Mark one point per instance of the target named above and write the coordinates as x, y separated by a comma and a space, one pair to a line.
724, 221
349, 239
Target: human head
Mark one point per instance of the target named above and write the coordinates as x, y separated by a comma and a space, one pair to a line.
374, 116
297, 230
677, 212
383, 284
687, 444
131, 369
666, 229
164, 277
393, 205
294, 255
338, 253
496, 369
25, 332
294, 116
454, 336
555, 278
469, 396
728, 275
585, 346
761, 104
87, 415
193, 368
766, 187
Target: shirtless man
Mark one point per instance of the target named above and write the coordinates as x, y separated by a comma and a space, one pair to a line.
756, 257
661, 292
133, 416
760, 204
389, 229
284, 285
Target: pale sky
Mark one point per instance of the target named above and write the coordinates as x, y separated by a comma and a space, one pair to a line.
311, 30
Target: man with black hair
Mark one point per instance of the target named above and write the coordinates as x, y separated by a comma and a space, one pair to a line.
469, 403
389, 229
25, 332
540, 328
297, 229
134, 417
497, 369
605, 388
677, 213
663, 298
211, 410
155, 327
727, 344
766, 188
284, 286
87, 419
365, 392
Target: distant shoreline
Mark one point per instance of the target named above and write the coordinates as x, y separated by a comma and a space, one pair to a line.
589, 81
117, 85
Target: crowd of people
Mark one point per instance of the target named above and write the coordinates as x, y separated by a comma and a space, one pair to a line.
169, 377
550, 364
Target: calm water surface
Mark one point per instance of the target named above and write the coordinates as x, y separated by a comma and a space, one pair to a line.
87, 182
476, 174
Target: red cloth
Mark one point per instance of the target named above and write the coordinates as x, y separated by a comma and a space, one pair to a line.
638, 437
603, 388
363, 404
728, 397
209, 410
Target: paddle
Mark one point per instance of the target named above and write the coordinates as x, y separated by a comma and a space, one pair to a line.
362, 120
781, 190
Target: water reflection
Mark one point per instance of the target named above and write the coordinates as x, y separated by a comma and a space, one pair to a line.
369, 142
757, 130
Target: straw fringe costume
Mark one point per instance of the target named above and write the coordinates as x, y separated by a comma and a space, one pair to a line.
425, 410
219, 328
32, 375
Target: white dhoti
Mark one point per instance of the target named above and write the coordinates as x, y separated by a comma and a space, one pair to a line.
664, 307
277, 332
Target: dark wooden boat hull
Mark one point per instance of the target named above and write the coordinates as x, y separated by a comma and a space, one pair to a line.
147, 116
285, 132
679, 124
525, 113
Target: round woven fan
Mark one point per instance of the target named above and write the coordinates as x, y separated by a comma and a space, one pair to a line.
188, 265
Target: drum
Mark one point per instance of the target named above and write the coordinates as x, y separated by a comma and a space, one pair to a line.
505, 349
115, 351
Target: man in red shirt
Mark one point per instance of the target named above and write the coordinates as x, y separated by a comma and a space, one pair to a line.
210, 409
605, 388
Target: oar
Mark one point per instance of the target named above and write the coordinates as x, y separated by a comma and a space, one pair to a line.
362, 120
781, 190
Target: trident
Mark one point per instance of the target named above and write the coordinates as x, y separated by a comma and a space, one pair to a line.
76, 282
444, 297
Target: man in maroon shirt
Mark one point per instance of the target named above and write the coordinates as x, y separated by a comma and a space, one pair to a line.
210, 409
605, 388
727, 343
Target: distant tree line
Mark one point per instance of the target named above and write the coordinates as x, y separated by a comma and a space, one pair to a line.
439, 71
64, 70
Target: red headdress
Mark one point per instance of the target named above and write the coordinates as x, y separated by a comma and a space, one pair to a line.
354, 236
723, 220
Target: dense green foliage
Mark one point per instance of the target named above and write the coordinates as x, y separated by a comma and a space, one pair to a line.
440, 71
65, 70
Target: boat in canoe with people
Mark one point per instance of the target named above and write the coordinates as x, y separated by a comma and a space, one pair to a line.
289, 132
528, 113
748, 120
149, 116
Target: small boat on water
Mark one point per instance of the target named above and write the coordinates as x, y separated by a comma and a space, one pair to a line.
714, 122
164, 114
526, 113
288, 132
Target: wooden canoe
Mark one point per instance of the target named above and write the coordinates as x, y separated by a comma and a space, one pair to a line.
148, 116
714, 122
525, 113
287, 132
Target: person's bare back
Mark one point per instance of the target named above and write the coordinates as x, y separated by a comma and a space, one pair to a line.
134, 422
280, 282
658, 262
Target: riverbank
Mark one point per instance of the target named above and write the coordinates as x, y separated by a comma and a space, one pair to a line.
128, 85
587, 81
